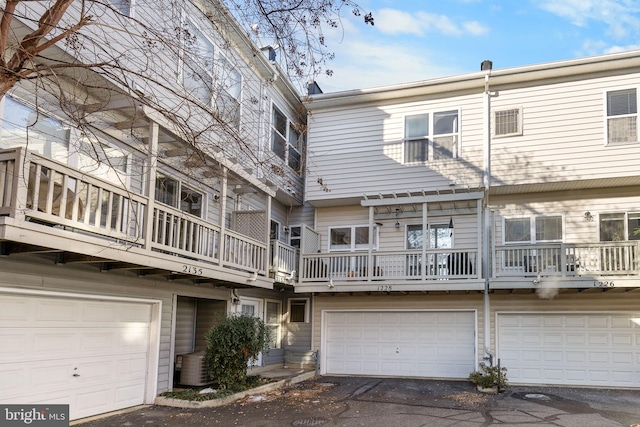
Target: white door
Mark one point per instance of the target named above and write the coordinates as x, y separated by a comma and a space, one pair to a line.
571, 348
433, 344
253, 308
92, 355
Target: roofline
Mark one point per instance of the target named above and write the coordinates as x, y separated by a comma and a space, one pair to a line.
476, 81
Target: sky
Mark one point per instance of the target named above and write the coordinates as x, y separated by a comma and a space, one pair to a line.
420, 40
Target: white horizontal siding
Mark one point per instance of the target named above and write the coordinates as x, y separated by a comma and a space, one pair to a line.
359, 150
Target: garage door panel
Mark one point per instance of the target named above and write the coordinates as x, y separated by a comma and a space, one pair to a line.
577, 349
406, 343
92, 355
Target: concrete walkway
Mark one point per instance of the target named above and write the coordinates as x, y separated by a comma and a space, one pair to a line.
384, 402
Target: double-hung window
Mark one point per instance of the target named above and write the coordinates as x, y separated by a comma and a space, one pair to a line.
197, 73
619, 226
22, 126
351, 238
530, 230
228, 93
172, 192
286, 140
273, 322
622, 116
431, 136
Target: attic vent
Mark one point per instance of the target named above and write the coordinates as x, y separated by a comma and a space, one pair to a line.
486, 65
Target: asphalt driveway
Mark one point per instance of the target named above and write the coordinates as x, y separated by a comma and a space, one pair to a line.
388, 402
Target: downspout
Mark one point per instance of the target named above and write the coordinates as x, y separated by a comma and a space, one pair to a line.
487, 224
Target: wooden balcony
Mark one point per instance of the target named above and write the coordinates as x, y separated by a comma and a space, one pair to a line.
434, 269
47, 204
284, 262
564, 259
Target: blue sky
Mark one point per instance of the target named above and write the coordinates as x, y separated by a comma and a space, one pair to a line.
419, 40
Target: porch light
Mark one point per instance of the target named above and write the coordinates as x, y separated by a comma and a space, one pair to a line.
397, 222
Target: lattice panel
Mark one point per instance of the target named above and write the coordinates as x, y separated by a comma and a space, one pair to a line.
251, 223
310, 241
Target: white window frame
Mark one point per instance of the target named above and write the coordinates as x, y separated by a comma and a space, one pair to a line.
287, 146
178, 196
352, 243
307, 311
223, 83
518, 131
532, 229
278, 338
607, 141
117, 3
187, 56
431, 137
625, 219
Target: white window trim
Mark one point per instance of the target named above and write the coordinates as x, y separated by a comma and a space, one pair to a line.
376, 238
532, 229
184, 183
519, 131
280, 323
186, 19
307, 310
606, 117
625, 219
272, 129
430, 138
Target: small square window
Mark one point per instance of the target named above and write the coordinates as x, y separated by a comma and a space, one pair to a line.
298, 311
508, 122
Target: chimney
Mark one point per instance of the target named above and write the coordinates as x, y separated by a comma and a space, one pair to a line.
486, 65
313, 88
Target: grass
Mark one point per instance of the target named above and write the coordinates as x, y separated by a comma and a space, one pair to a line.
193, 394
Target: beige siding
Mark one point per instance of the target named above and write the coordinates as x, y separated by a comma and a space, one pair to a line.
471, 301
358, 150
571, 205
564, 134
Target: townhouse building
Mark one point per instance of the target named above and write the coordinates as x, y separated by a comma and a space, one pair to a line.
123, 240
489, 217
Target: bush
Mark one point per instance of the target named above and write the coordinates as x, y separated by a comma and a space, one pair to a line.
235, 340
489, 376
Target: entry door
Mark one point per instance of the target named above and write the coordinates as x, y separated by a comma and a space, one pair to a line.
252, 307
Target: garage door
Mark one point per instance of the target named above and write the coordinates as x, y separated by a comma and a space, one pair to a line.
400, 343
89, 354
571, 349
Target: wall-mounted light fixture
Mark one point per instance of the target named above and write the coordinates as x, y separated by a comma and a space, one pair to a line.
588, 216
397, 222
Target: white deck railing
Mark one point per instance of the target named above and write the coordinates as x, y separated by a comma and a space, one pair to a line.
565, 259
44, 191
434, 264
284, 259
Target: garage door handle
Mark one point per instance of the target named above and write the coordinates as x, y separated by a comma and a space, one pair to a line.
76, 375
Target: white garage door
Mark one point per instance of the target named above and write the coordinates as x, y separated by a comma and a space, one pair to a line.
400, 343
571, 349
89, 354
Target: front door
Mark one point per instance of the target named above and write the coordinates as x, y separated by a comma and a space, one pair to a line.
252, 307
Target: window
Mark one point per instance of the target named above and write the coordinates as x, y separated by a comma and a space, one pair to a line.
615, 227
508, 122
299, 310
122, 6
622, 116
439, 236
286, 140
531, 230
295, 236
168, 189
197, 75
274, 231
22, 126
273, 323
443, 126
228, 93
351, 238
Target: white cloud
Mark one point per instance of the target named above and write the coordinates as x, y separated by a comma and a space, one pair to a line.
395, 22
619, 16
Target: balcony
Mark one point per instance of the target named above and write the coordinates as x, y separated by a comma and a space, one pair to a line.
590, 264
435, 269
48, 205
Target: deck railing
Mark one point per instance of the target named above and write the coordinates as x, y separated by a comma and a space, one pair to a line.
47, 192
434, 264
566, 259
284, 259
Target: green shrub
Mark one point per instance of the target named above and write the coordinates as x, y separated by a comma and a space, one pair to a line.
235, 340
489, 376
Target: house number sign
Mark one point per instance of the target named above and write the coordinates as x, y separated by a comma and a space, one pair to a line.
189, 269
599, 284
385, 288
